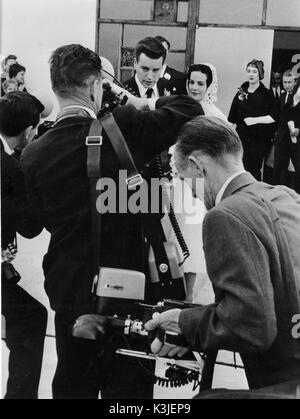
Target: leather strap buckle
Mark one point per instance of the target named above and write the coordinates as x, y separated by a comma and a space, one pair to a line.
134, 181
96, 140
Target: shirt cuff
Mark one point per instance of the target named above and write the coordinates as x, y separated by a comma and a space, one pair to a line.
152, 104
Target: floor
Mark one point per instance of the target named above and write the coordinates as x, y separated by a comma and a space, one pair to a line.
29, 264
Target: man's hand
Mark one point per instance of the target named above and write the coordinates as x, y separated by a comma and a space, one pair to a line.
89, 327
168, 321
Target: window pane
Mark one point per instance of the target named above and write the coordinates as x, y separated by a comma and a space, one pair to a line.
126, 9
283, 13
110, 42
176, 36
245, 12
183, 7
177, 60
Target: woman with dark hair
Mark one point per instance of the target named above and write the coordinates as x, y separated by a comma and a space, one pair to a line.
17, 73
202, 85
293, 119
254, 111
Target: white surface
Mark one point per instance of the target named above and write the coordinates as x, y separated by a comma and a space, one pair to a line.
33, 29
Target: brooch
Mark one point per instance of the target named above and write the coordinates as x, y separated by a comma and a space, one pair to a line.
242, 94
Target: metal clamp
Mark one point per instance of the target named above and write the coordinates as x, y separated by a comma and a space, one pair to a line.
134, 181
96, 140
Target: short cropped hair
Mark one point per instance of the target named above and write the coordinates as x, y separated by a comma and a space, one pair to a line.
288, 73
15, 69
152, 48
161, 39
202, 68
18, 111
210, 136
71, 66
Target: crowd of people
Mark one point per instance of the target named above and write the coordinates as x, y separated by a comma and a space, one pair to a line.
13, 76
238, 249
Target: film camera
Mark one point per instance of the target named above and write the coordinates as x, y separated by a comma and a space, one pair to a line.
116, 291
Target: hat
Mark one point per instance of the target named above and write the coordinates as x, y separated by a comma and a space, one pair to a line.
260, 67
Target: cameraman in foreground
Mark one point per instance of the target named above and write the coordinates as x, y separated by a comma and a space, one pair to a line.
25, 319
251, 237
56, 170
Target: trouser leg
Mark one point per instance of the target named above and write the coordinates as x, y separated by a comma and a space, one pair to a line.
26, 323
77, 375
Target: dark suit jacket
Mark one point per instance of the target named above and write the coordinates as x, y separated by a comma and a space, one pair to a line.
132, 87
255, 300
17, 214
173, 82
283, 132
56, 171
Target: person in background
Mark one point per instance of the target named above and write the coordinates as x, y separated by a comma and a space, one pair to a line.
284, 149
6, 63
254, 111
17, 73
9, 86
150, 56
293, 120
202, 85
171, 81
276, 81
25, 319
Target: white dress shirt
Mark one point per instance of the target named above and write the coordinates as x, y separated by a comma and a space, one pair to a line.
276, 91
143, 90
227, 183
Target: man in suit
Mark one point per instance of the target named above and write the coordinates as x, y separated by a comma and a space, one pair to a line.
251, 239
150, 56
172, 82
56, 170
25, 318
275, 89
283, 143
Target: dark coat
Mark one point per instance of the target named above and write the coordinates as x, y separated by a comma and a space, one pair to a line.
257, 104
283, 132
173, 82
56, 171
255, 299
17, 213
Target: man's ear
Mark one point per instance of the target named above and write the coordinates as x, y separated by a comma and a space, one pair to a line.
197, 163
135, 63
28, 133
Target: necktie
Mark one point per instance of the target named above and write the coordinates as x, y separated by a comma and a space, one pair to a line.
149, 93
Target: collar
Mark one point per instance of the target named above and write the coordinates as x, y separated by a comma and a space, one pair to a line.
143, 90
226, 184
84, 108
6, 147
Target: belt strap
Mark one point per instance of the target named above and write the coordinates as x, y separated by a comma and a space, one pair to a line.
121, 149
94, 143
